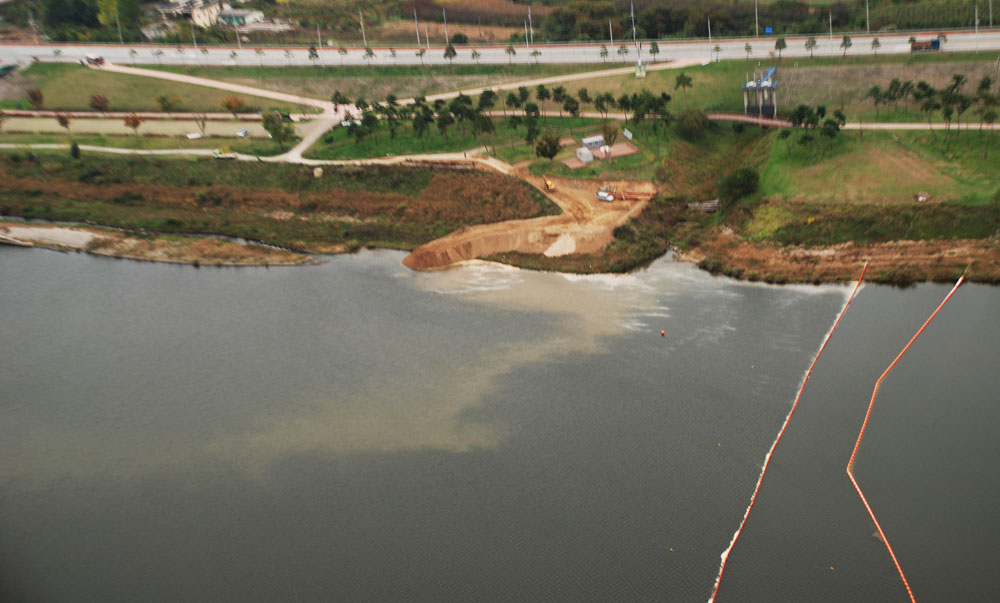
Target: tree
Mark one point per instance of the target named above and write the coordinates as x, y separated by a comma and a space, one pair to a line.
280, 130
683, 82
572, 106
392, 53
717, 50
583, 95
558, 97
180, 53
547, 146
339, 99
168, 102
460, 38
99, 102
260, 56
738, 184
780, 45
942, 38
604, 53
133, 121
510, 53
36, 99
476, 55
484, 125
422, 119
420, 53
989, 117
201, 120
343, 53
157, 53
654, 49
876, 95
747, 48
523, 94
875, 46
513, 101
450, 53
369, 55
487, 100
233, 104
444, 119
811, 45
204, 55
623, 52
288, 55
74, 150
63, 120
609, 131
845, 44
542, 93
600, 106
235, 57
535, 54
531, 130
313, 55
132, 53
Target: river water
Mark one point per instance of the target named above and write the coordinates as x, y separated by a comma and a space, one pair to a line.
355, 431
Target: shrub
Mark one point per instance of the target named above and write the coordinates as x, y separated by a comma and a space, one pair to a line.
74, 151
692, 124
738, 184
460, 38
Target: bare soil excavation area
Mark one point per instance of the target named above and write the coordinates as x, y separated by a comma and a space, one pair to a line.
585, 226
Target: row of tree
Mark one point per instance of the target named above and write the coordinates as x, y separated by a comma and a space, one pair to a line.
952, 101
517, 106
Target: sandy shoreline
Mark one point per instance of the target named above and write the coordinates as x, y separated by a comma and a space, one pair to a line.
171, 249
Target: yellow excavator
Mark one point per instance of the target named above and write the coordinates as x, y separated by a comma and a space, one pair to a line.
549, 186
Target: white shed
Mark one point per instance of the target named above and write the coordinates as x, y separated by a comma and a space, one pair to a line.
593, 142
584, 155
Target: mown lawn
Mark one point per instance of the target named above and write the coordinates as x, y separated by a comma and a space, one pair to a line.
404, 81
882, 167
68, 86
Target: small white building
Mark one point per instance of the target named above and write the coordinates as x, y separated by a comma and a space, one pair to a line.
584, 155
595, 141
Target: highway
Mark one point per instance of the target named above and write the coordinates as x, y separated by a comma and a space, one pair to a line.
685, 51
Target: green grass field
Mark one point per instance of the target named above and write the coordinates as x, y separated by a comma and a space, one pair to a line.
373, 82
240, 145
68, 87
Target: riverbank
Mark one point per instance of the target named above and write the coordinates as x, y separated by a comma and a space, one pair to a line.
173, 249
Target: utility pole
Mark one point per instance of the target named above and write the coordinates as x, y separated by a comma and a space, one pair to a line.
239, 42
531, 28
427, 37
416, 25
364, 38
119, 24
194, 39
611, 33
868, 19
34, 28
756, 21
319, 40
634, 40
977, 26
445, 13
480, 21
526, 35
831, 26
710, 39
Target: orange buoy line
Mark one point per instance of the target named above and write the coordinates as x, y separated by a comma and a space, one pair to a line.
861, 434
767, 458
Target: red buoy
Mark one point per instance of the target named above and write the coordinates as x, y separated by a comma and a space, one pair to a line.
663, 333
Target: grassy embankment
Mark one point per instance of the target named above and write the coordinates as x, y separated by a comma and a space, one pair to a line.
376, 82
68, 87
394, 207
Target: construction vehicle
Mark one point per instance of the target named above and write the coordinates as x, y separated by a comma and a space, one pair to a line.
606, 193
549, 186
927, 46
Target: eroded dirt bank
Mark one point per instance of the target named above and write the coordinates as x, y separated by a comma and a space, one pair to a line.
899, 262
213, 251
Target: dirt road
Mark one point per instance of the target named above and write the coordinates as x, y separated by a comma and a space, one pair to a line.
585, 226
